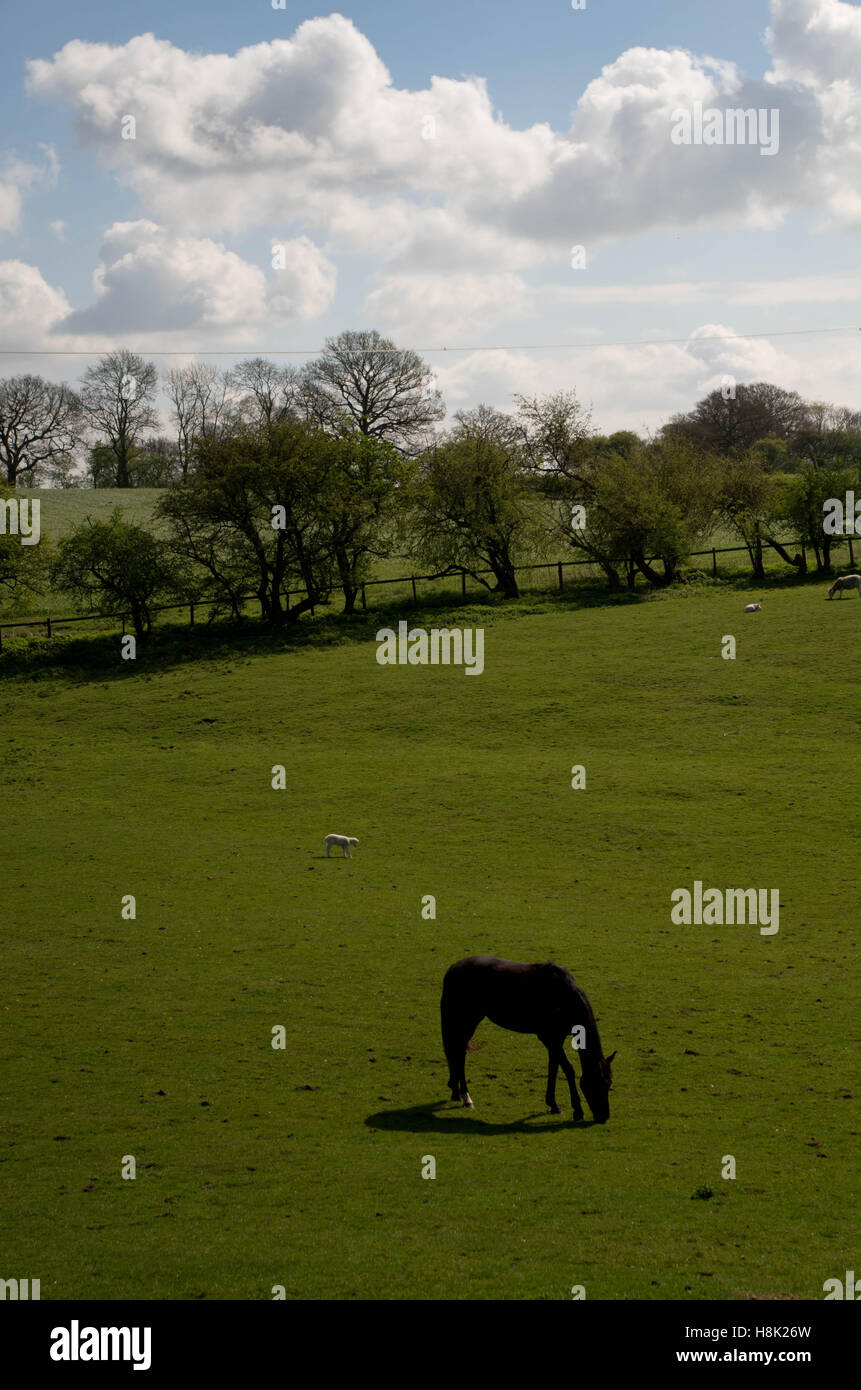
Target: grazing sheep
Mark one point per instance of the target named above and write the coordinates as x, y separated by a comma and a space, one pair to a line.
753, 608
344, 841
847, 581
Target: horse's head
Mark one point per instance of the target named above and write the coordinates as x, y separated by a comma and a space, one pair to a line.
595, 1085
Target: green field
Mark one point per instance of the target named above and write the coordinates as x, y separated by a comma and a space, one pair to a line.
302, 1167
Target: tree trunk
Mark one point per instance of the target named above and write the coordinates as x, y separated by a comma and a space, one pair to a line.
660, 581
799, 561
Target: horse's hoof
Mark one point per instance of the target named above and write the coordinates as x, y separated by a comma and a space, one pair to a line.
468, 1103
578, 1114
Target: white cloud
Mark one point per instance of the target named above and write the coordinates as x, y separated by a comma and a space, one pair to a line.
153, 282
446, 307
30, 308
311, 132
20, 178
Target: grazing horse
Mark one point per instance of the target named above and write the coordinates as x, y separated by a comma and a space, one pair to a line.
846, 581
540, 999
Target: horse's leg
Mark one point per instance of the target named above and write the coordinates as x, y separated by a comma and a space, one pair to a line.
571, 1078
457, 1029
553, 1058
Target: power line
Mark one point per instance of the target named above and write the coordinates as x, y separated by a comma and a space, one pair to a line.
504, 347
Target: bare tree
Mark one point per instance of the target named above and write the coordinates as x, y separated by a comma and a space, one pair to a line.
38, 426
202, 404
364, 382
267, 392
117, 396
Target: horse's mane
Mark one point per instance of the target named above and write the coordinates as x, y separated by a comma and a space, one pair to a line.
591, 1026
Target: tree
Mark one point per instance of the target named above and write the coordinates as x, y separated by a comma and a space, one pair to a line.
23, 568
472, 502
202, 404
655, 503
367, 480
117, 395
267, 392
39, 421
152, 463
733, 423
558, 435
804, 507
830, 438
253, 516
115, 564
363, 382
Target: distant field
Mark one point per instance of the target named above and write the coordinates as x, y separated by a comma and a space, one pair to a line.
63, 508
302, 1166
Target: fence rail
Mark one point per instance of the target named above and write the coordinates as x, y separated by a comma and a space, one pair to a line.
51, 622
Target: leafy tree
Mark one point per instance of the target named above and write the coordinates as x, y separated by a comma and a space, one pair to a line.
115, 564
804, 507
367, 479
23, 568
473, 503
222, 519
656, 503
153, 463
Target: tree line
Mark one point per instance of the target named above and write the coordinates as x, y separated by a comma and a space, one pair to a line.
291, 483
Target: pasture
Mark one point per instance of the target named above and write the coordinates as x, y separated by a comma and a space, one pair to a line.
302, 1167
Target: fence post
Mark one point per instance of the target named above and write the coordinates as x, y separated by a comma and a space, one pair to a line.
124, 625
364, 600
413, 581
1, 639
714, 564
851, 553
191, 613
463, 582
560, 574
48, 626
804, 556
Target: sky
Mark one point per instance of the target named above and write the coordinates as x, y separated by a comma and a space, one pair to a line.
243, 179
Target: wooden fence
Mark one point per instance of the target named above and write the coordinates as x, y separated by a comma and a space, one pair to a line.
49, 623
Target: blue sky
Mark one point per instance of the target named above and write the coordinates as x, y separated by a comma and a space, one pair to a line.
458, 237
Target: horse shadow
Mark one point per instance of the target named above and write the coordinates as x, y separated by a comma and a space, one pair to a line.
423, 1119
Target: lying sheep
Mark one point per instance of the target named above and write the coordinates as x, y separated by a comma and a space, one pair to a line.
753, 608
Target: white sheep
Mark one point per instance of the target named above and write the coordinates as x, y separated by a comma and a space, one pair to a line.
846, 581
753, 608
344, 841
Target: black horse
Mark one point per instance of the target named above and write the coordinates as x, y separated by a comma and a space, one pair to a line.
540, 999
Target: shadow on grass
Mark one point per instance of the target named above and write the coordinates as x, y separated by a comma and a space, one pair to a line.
422, 1119
171, 645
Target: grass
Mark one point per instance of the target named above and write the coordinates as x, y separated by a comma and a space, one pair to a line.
302, 1167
